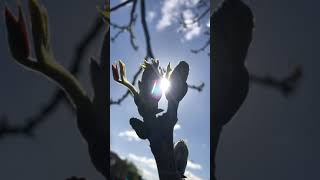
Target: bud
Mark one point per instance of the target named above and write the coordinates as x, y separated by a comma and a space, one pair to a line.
168, 71
17, 34
181, 156
115, 72
39, 21
124, 81
150, 90
139, 127
122, 70
178, 80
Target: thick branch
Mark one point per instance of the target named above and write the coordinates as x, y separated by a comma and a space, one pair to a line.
31, 123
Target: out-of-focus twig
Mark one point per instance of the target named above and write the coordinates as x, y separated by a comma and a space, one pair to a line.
204, 47
196, 87
286, 85
127, 28
32, 122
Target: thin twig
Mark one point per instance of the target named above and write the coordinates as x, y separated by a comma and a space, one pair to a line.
145, 30
198, 88
204, 47
127, 28
121, 5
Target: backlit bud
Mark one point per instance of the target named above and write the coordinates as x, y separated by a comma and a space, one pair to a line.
181, 156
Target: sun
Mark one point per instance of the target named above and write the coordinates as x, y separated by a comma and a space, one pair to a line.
164, 84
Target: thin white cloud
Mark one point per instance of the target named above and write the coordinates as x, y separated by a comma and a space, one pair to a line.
170, 13
193, 165
129, 135
149, 162
148, 175
192, 31
191, 176
146, 166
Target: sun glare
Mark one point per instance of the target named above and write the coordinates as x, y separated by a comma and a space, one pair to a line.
164, 84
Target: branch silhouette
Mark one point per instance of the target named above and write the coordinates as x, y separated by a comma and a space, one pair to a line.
58, 96
31, 123
91, 114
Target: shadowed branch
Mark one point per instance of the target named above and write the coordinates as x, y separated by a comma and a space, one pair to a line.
286, 85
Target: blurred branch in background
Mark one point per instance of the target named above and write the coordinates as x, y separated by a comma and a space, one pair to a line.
286, 85
58, 96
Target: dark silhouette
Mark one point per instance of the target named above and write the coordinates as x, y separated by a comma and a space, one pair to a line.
286, 85
31, 123
92, 114
231, 37
122, 169
171, 161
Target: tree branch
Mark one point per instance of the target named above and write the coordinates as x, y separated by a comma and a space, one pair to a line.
31, 123
121, 5
127, 28
286, 85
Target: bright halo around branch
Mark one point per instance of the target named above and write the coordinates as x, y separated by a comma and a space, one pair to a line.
164, 85
160, 87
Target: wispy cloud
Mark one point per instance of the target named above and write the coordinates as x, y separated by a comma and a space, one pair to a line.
129, 135
193, 165
148, 175
169, 11
149, 162
172, 10
191, 176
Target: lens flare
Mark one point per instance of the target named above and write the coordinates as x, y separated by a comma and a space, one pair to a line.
156, 90
160, 87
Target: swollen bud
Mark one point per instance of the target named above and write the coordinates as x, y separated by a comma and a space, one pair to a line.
178, 80
115, 72
40, 31
181, 157
17, 34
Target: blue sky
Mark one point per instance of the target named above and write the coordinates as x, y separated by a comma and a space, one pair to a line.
270, 133
169, 45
